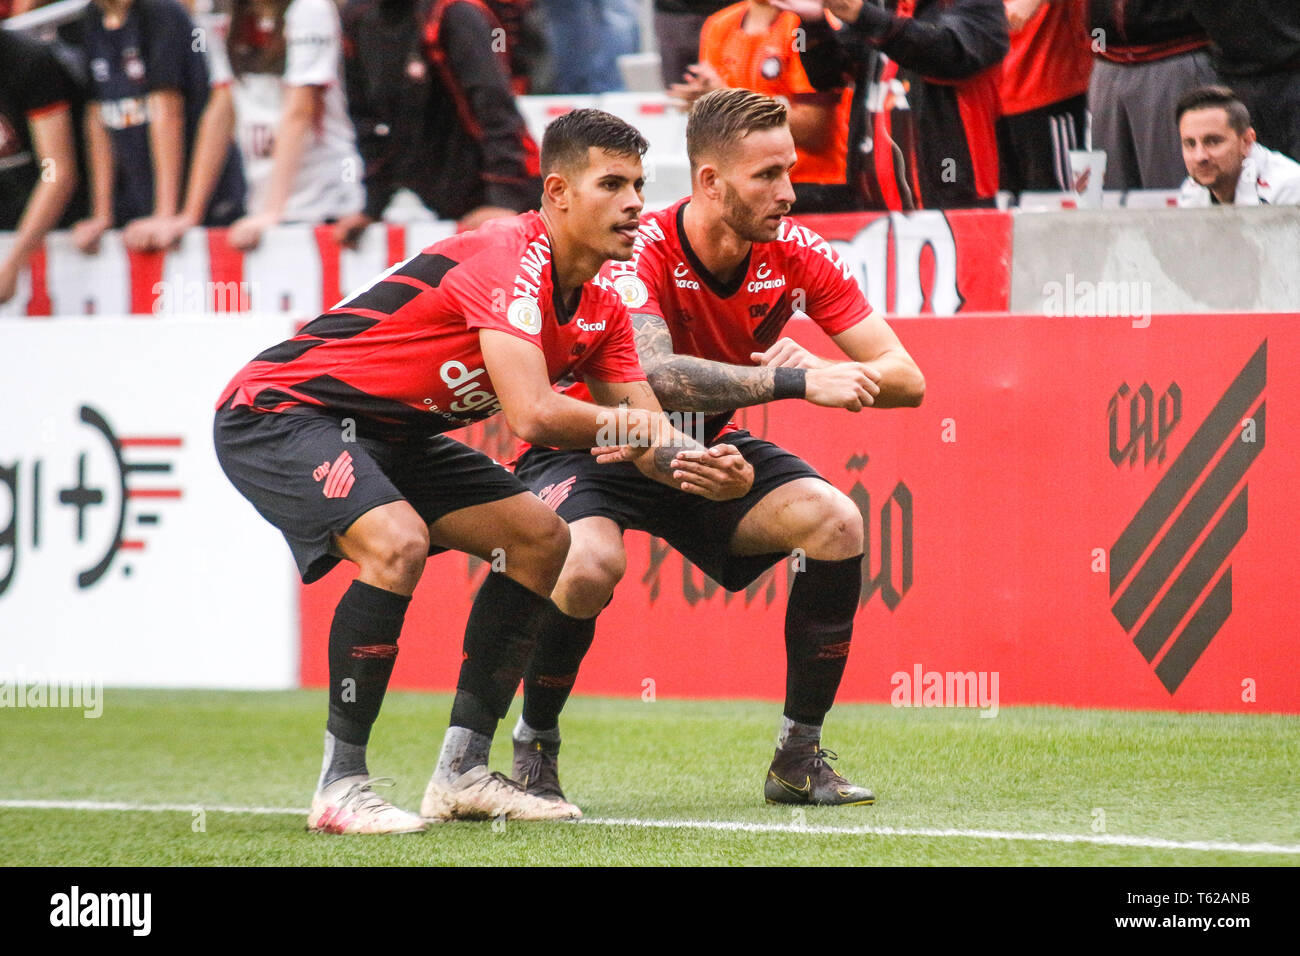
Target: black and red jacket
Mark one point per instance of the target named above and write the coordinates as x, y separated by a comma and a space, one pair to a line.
940, 152
1140, 31
433, 107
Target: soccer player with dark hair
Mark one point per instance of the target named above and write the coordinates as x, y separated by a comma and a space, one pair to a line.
711, 283
335, 436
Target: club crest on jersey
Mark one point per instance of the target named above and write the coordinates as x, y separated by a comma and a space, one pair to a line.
525, 314
761, 280
631, 290
771, 68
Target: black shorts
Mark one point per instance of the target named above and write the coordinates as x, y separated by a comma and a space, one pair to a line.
303, 477
576, 486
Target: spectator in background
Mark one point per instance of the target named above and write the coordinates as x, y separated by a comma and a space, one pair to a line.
525, 40
1044, 93
678, 24
1257, 50
753, 45
291, 118
1225, 165
149, 89
586, 38
39, 109
936, 149
212, 144
433, 111
1148, 54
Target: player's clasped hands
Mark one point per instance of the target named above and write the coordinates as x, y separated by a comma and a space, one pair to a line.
719, 473
851, 385
787, 353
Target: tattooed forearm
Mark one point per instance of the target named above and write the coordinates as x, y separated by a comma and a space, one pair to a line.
663, 458
691, 384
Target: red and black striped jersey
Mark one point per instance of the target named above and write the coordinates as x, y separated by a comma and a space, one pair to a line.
796, 272
403, 353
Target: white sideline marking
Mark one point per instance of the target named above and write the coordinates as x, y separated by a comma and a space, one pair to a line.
102, 806
725, 826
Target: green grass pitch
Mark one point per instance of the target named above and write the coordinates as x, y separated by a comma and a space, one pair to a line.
947, 783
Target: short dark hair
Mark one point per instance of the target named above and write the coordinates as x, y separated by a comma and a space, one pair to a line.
1215, 97
722, 118
567, 139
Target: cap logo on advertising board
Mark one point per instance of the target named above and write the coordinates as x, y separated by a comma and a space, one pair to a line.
39, 488
1150, 599
1149, 423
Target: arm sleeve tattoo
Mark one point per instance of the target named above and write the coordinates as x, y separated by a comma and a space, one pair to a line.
690, 384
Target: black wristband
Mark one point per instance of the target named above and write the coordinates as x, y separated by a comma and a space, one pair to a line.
789, 383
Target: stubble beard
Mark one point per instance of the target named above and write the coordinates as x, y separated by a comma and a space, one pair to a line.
741, 219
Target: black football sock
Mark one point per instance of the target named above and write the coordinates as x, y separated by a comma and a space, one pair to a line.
561, 646
818, 631
362, 652
499, 640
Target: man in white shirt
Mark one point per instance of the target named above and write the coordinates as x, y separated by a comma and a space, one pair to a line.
1225, 164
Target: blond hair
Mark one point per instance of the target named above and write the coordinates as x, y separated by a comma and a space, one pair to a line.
722, 118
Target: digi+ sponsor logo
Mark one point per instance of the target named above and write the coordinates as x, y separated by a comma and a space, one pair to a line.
85, 497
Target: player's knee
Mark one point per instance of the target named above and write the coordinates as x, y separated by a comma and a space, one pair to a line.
590, 576
838, 530
401, 554
544, 544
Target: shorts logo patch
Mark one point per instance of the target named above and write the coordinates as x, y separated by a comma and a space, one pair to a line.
341, 477
553, 495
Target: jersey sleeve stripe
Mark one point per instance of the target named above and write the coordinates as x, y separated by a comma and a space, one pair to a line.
288, 351
339, 325
385, 298
418, 284
427, 268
